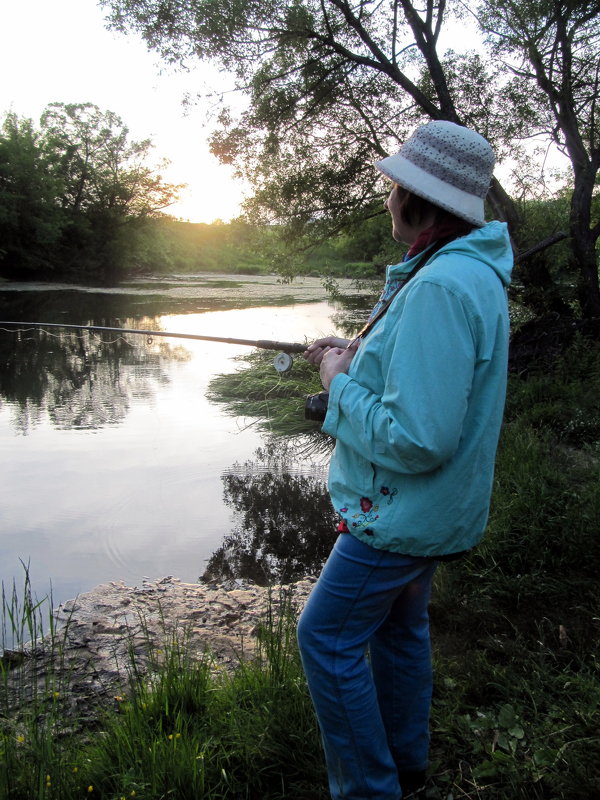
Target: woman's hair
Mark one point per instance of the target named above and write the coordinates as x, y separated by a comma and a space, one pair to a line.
414, 209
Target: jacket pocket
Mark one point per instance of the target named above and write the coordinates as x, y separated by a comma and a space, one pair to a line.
351, 474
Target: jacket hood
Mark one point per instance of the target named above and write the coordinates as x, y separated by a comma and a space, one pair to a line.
489, 244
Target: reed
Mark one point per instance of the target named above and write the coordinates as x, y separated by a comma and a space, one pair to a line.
35, 759
274, 401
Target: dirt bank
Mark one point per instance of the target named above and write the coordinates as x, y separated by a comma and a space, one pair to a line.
98, 632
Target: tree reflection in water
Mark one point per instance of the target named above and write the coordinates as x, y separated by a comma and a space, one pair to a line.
286, 525
82, 380
352, 312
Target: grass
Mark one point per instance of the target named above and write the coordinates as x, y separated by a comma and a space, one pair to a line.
273, 401
518, 622
187, 729
516, 632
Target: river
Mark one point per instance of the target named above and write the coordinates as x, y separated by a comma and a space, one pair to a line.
115, 464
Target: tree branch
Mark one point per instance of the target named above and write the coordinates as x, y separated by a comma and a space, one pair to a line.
548, 242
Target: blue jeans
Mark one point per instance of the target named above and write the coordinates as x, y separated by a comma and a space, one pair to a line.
373, 712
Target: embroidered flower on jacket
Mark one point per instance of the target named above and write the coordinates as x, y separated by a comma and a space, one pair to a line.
368, 514
342, 526
389, 493
366, 504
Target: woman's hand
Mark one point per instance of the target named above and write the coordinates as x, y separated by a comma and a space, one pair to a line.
315, 351
335, 361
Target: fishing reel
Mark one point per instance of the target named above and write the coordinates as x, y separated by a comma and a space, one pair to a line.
283, 362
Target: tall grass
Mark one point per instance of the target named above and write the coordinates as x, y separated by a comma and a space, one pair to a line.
275, 400
35, 760
197, 731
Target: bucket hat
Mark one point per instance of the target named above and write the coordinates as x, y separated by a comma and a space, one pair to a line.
447, 164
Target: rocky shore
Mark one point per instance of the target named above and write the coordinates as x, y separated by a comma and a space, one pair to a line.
98, 632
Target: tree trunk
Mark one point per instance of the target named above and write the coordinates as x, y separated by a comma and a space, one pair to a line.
583, 243
505, 208
586, 263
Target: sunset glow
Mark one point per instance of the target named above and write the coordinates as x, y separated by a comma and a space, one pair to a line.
62, 52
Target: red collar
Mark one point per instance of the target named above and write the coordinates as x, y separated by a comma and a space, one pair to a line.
443, 230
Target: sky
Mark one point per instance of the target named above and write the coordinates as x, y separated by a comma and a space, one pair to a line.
60, 51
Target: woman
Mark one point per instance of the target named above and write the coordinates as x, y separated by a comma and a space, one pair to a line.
415, 405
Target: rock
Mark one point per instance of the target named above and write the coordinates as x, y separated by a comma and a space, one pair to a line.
90, 656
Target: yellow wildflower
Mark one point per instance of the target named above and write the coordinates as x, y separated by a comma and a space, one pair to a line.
20, 738
90, 789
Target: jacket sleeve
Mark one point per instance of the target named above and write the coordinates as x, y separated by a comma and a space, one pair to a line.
427, 369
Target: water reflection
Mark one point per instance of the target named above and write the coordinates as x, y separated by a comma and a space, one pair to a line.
351, 313
119, 475
285, 525
81, 379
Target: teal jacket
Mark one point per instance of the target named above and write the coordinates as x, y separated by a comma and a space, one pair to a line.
417, 418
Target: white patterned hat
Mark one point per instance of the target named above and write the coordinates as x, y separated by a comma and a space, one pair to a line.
447, 164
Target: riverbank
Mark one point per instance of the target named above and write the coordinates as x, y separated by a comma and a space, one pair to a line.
101, 633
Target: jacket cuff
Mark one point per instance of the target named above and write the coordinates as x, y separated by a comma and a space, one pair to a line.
337, 386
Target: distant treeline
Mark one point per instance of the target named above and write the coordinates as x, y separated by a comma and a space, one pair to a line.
239, 247
79, 202
75, 195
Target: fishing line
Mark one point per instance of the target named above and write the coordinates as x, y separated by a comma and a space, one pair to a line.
262, 344
50, 334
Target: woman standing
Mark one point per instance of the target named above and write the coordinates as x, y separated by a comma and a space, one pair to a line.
415, 405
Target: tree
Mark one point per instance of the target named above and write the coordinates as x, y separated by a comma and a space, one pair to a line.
74, 194
333, 85
107, 189
30, 220
554, 46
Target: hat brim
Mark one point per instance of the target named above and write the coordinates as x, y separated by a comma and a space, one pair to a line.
422, 183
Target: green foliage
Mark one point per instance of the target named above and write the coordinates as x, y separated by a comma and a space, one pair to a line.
562, 401
334, 86
74, 195
317, 97
275, 399
199, 731
180, 247
553, 48
546, 281
31, 220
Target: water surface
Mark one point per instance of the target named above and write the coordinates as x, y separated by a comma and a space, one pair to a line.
115, 465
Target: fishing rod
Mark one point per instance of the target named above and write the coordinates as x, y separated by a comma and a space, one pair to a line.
282, 361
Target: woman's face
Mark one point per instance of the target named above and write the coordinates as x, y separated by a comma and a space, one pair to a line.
401, 230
